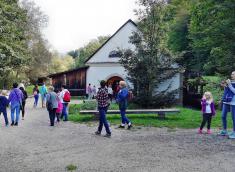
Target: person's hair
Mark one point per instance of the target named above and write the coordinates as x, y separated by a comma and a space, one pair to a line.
51, 88
21, 85
122, 84
21, 88
102, 83
56, 90
4, 92
15, 85
63, 86
207, 93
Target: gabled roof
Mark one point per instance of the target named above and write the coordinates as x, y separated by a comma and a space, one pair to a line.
68, 71
129, 21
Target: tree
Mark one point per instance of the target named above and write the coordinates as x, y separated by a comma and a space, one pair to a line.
212, 35
13, 39
38, 49
86, 51
150, 63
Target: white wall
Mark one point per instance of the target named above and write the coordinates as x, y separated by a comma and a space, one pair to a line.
120, 40
98, 72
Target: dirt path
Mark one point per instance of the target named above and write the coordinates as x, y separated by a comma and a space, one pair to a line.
34, 146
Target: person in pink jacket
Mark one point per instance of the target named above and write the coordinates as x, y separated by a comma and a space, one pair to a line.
60, 107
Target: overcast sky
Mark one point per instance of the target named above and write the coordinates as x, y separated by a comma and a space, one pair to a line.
72, 23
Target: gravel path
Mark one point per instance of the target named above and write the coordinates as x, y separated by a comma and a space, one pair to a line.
34, 146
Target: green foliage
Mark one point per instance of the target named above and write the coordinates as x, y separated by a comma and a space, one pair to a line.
85, 52
150, 63
71, 167
187, 118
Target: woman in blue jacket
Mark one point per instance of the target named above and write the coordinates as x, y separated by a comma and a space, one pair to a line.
122, 97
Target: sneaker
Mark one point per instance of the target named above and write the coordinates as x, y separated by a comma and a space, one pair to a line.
16, 124
107, 135
97, 133
121, 126
199, 131
129, 126
223, 133
209, 132
232, 135
12, 123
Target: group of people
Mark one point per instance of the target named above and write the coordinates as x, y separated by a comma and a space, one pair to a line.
17, 99
91, 92
228, 105
103, 105
56, 102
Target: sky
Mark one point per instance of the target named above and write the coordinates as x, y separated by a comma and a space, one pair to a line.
73, 23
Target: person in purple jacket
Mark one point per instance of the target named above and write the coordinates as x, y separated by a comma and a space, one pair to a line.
208, 110
3, 105
15, 98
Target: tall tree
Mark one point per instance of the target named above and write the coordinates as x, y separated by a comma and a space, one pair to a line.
13, 39
212, 35
86, 51
150, 63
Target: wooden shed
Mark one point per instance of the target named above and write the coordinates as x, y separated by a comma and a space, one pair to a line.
75, 80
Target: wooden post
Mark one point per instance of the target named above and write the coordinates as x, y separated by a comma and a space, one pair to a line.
161, 115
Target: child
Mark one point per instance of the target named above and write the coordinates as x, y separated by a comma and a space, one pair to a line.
208, 110
3, 105
60, 107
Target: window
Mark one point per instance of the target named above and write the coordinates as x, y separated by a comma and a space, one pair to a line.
115, 54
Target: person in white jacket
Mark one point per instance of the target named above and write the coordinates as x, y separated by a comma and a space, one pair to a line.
64, 114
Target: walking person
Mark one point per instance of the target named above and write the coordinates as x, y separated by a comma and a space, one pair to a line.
35, 95
43, 92
102, 99
208, 111
89, 92
122, 97
110, 92
25, 96
51, 104
60, 106
3, 106
15, 98
94, 92
65, 97
228, 104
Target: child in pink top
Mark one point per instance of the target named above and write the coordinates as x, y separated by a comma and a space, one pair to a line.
60, 107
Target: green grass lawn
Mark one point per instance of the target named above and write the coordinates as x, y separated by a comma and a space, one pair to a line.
187, 118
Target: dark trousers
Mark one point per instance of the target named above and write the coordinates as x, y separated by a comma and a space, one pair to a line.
103, 120
58, 117
125, 120
23, 108
206, 119
4, 111
52, 116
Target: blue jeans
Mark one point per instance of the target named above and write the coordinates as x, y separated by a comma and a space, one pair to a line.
5, 116
103, 120
225, 110
36, 99
125, 120
65, 112
15, 108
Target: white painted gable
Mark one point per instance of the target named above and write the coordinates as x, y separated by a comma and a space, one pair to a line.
119, 40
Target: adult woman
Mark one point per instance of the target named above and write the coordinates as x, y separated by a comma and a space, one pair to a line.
15, 98
228, 103
122, 97
52, 104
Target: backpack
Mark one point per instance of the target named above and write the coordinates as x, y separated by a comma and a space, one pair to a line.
130, 95
67, 96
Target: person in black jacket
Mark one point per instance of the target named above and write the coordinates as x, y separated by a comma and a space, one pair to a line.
25, 96
3, 105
